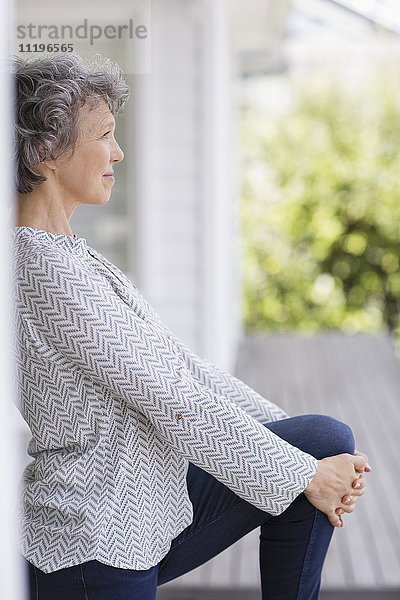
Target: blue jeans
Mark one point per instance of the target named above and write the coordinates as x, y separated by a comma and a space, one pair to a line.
292, 548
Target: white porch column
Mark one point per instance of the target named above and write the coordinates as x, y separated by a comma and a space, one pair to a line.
11, 577
221, 284
185, 178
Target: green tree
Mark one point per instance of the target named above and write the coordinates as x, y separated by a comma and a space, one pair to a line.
320, 211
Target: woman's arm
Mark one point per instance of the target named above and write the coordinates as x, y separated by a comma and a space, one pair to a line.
75, 313
224, 383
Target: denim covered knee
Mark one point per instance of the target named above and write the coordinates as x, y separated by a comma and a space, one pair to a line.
330, 436
318, 435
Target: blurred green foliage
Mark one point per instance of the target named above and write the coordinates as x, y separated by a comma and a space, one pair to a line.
320, 211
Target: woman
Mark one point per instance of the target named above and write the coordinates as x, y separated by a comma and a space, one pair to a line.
148, 460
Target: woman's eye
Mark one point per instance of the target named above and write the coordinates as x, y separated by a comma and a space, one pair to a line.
106, 134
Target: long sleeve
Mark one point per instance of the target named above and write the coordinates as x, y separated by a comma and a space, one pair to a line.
74, 313
221, 382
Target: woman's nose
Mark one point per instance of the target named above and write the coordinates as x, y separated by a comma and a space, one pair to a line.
117, 154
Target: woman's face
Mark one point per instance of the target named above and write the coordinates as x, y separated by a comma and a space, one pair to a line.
86, 176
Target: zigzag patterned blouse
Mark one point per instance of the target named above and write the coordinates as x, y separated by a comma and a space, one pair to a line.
117, 406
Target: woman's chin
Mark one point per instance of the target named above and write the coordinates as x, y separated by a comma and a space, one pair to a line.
98, 200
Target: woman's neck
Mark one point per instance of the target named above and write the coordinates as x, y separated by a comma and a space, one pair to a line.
40, 211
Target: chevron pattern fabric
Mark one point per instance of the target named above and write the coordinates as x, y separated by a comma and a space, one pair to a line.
117, 406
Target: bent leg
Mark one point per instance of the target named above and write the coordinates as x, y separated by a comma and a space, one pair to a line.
287, 551
293, 546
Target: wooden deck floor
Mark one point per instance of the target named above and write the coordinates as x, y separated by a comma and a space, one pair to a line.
355, 379
251, 594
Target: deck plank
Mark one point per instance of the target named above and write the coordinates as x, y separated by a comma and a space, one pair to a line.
357, 380
165, 593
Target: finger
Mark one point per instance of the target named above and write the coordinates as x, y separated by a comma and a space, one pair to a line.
357, 453
357, 493
358, 490
368, 468
359, 483
335, 520
348, 500
341, 521
348, 508
359, 463
339, 512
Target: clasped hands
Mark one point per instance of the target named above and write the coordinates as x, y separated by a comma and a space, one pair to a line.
337, 484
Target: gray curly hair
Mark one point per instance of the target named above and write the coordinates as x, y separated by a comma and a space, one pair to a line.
49, 94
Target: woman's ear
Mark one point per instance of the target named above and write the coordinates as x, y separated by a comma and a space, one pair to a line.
45, 167
49, 163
